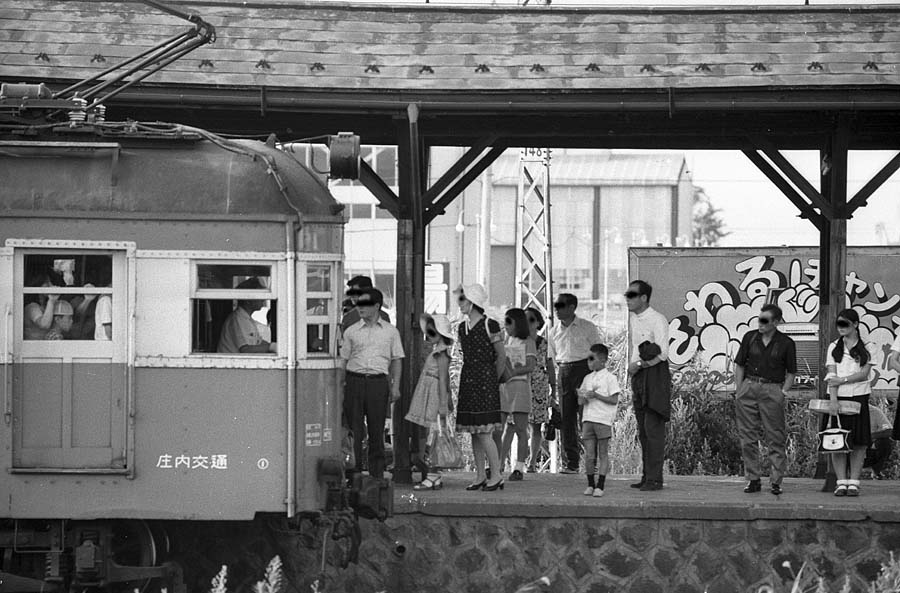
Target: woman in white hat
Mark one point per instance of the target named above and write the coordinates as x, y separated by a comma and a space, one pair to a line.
430, 402
478, 407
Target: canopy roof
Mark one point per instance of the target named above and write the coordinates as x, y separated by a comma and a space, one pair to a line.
600, 76
328, 46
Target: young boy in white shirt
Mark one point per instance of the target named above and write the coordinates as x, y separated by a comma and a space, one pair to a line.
599, 394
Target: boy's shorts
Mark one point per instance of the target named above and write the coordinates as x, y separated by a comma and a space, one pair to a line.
595, 430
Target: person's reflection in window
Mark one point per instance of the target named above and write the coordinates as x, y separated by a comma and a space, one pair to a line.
62, 321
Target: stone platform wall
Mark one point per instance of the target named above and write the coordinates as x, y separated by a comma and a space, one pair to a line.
411, 553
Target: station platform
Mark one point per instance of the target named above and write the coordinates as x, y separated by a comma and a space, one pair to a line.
547, 495
700, 534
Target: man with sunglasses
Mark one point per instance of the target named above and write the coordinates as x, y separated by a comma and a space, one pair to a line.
651, 383
569, 344
355, 287
372, 356
764, 370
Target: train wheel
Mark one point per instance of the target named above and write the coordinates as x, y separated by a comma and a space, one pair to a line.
133, 545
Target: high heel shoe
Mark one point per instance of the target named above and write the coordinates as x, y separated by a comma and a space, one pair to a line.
477, 486
496, 486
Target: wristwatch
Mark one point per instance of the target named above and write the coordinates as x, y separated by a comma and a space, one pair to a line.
640, 364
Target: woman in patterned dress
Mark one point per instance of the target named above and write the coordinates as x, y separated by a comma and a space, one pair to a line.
543, 387
478, 406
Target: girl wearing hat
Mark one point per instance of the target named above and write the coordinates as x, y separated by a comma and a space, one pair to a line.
849, 365
478, 408
430, 402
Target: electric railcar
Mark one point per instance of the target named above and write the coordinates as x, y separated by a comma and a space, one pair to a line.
105, 440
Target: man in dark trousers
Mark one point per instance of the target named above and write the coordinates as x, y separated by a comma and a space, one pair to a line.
764, 370
651, 382
569, 344
371, 356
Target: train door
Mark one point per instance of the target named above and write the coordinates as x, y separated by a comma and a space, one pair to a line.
70, 351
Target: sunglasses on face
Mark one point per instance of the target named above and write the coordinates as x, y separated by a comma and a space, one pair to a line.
560, 305
431, 333
509, 321
354, 292
462, 298
365, 304
764, 320
593, 359
632, 294
532, 320
843, 323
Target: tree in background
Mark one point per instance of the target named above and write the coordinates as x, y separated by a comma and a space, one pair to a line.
708, 226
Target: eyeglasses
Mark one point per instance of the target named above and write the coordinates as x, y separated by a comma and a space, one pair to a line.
365, 304
843, 323
462, 298
431, 333
632, 294
509, 321
560, 305
764, 320
354, 292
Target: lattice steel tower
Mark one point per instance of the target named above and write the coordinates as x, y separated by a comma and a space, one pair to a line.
533, 252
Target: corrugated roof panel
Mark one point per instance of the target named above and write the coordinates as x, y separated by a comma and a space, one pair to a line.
601, 169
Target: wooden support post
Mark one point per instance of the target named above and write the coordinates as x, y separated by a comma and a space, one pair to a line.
833, 237
410, 282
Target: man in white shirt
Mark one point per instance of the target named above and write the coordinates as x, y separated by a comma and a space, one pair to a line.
569, 344
371, 365
240, 334
651, 384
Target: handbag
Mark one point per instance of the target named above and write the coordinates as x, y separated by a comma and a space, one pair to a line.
445, 451
834, 439
549, 429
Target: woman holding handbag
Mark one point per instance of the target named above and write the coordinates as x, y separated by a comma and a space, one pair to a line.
849, 365
430, 401
478, 406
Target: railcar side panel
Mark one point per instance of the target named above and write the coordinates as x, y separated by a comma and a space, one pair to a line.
209, 444
228, 234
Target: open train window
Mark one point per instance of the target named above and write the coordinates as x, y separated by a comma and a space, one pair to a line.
233, 309
67, 296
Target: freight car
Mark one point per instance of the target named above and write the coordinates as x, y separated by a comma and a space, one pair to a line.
122, 414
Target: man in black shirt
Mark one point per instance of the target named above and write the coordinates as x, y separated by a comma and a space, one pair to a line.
764, 370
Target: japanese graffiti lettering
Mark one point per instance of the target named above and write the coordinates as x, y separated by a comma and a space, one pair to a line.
716, 315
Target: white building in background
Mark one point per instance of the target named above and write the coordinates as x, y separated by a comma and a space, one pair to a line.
602, 203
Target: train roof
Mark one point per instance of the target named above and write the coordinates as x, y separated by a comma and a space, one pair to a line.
200, 177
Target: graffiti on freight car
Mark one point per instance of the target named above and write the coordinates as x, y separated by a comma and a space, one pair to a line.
714, 317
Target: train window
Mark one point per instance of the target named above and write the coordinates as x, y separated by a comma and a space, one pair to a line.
67, 296
233, 309
321, 313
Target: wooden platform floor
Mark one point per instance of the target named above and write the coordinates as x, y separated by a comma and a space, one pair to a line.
686, 497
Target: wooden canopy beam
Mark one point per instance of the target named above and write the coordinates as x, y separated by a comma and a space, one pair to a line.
477, 169
458, 167
386, 197
806, 209
793, 175
860, 199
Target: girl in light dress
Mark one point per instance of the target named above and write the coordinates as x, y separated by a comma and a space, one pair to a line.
516, 394
430, 402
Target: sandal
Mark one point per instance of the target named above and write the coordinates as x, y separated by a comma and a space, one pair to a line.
841, 489
430, 483
853, 488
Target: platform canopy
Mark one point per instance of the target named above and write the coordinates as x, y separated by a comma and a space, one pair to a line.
599, 76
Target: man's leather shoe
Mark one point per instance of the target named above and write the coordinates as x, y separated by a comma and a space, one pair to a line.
638, 484
650, 486
753, 486
776, 489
